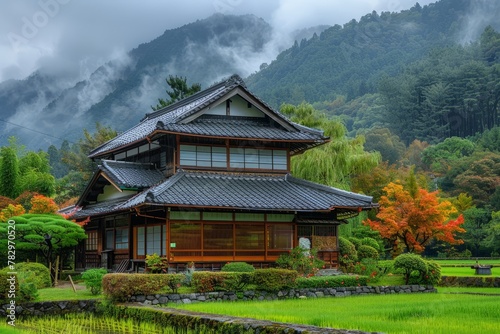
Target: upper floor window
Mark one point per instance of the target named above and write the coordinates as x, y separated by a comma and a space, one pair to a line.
239, 158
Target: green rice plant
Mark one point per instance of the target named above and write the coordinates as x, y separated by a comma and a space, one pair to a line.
398, 313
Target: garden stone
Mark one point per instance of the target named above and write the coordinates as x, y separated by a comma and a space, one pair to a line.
186, 301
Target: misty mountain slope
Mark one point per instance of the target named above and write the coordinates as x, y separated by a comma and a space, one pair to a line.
121, 91
350, 60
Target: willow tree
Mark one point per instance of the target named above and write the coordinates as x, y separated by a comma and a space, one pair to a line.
335, 162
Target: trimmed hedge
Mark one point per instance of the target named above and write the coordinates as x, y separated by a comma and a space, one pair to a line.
331, 281
208, 281
367, 252
238, 267
119, 287
275, 279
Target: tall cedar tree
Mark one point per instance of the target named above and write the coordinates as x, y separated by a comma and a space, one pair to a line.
411, 222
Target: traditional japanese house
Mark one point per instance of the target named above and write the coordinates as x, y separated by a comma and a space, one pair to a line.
207, 180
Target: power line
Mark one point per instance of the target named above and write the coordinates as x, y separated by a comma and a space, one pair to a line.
36, 131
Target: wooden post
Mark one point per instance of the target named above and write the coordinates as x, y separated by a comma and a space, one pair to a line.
72, 284
56, 270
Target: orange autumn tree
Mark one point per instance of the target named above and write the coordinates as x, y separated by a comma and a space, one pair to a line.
410, 219
42, 204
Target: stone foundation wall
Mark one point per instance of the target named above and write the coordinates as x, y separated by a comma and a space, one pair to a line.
263, 295
51, 308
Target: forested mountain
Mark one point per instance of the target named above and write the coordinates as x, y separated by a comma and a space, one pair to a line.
379, 71
121, 91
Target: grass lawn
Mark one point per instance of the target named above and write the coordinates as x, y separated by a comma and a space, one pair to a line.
467, 262
51, 294
466, 271
8, 329
401, 313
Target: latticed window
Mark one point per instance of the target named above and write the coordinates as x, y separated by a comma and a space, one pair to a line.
91, 242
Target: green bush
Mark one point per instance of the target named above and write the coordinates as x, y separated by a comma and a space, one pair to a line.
24, 288
331, 281
370, 242
5, 286
156, 264
348, 254
408, 263
208, 281
355, 241
431, 276
238, 267
275, 279
120, 287
367, 252
305, 262
36, 273
93, 280
386, 266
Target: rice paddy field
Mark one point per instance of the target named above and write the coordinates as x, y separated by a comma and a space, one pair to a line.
408, 314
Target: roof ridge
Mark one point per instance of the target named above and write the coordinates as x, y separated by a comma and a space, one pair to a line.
232, 80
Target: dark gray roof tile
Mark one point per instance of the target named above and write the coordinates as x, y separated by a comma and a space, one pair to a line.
244, 191
130, 174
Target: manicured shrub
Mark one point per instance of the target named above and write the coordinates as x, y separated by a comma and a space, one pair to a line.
370, 242
305, 262
431, 276
275, 279
208, 281
93, 280
36, 273
355, 241
238, 267
408, 263
348, 254
119, 287
386, 266
331, 281
367, 252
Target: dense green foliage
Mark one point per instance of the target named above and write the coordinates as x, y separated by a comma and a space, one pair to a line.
409, 263
93, 279
207, 281
48, 235
238, 267
331, 281
40, 273
118, 287
275, 279
305, 262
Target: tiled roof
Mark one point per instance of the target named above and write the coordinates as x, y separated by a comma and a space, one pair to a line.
237, 127
130, 174
172, 118
97, 209
252, 192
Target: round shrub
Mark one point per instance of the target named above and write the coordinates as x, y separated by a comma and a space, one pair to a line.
93, 280
238, 267
408, 263
35, 273
432, 276
357, 242
370, 242
348, 254
367, 252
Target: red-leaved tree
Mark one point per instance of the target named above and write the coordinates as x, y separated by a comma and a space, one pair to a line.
411, 219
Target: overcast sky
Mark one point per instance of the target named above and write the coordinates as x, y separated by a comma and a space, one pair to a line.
76, 36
